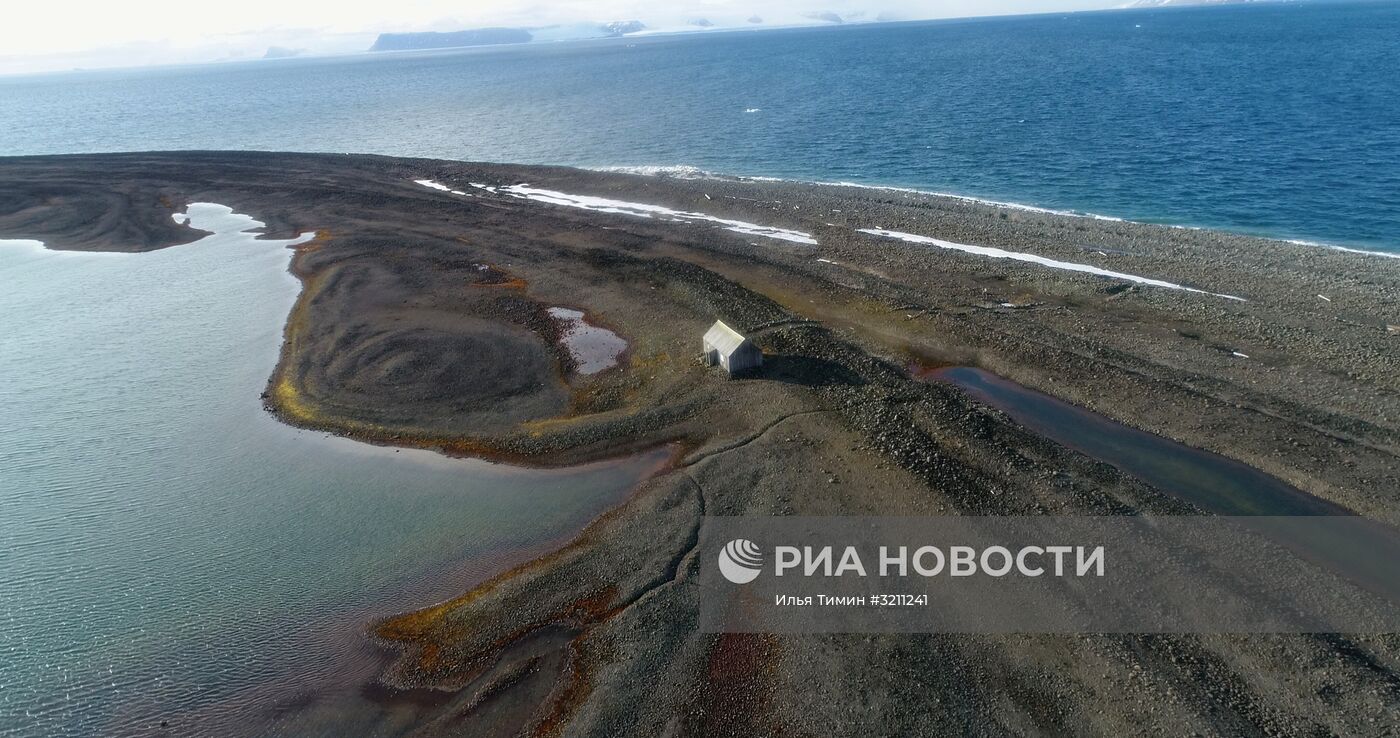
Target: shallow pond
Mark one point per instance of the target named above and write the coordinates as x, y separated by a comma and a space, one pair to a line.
170, 551
1367, 554
1210, 481
594, 348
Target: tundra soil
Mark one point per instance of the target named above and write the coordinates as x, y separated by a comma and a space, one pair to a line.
423, 321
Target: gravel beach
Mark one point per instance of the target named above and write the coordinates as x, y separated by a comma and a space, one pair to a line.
424, 320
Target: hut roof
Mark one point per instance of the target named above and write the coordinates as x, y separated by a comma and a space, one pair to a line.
725, 339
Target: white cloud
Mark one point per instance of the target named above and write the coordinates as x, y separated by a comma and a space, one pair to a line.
59, 35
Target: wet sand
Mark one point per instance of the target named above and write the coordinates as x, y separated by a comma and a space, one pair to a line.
401, 338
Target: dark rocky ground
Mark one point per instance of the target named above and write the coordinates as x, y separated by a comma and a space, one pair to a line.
402, 337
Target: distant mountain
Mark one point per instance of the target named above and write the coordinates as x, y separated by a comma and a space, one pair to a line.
622, 28
1175, 3
436, 40
613, 29
498, 36
281, 52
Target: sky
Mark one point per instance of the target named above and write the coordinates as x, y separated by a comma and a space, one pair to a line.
57, 35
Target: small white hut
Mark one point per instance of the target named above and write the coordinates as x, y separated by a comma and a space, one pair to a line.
728, 348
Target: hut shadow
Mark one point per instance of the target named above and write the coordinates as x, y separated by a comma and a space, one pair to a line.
808, 371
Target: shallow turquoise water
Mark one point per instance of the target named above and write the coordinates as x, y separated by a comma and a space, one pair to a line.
171, 552
1273, 118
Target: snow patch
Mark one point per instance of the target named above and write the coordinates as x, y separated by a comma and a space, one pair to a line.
440, 187
432, 184
996, 253
644, 210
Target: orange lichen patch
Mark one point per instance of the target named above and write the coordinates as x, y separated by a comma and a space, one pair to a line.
570, 695
412, 626
322, 237
429, 657
921, 367
428, 629
490, 275
469, 447
420, 623
514, 283
287, 399
652, 361
284, 395
596, 607
540, 428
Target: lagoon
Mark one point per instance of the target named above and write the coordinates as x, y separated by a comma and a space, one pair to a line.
173, 553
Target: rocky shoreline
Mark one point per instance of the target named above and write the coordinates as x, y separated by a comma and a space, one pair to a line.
424, 320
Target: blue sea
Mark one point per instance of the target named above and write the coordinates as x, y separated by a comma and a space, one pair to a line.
1280, 119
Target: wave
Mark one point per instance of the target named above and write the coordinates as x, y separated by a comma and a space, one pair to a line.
1347, 249
685, 171
674, 171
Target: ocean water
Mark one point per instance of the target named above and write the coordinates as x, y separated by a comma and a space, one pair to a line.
170, 552
1277, 119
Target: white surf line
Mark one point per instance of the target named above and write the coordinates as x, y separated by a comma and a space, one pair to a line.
1347, 249
996, 253
978, 200
1069, 213
634, 209
1356, 251
685, 171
